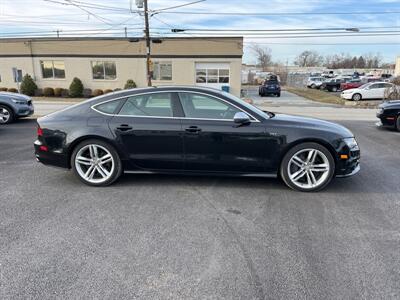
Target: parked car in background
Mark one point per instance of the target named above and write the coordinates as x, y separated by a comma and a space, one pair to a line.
333, 85
270, 86
14, 106
351, 84
193, 130
315, 82
389, 114
372, 90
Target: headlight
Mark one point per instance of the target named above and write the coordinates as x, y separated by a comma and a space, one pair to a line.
19, 101
351, 143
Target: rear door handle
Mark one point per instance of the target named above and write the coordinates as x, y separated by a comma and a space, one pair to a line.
124, 127
193, 129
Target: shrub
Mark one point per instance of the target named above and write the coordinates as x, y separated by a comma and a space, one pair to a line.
106, 91
3, 89
28, 86
97, 92
76, 88
130, 84
12, 90
87, 93
117, 89
38, 92
48, 92
58, 92
65, 93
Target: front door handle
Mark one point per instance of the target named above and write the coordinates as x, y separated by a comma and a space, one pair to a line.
124, 127
193, 129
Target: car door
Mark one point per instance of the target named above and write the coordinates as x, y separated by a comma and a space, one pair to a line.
214, 143
148, 131
374, 91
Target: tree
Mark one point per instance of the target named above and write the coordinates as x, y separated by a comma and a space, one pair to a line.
28, 86
308, 58
263, 56
130, 84
76, 88
361, 62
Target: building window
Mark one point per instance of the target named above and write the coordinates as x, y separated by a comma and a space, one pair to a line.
53, 69
212, 76
105, 70
162, 71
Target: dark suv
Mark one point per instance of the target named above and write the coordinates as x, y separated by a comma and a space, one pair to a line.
14, 106
270, 86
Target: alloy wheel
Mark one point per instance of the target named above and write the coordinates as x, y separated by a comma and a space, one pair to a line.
308, 168
94, 163
5, 115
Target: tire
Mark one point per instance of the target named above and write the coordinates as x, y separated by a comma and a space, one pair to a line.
313, 179
334, 89
356, 97
91, 153
398, 123
313, 86
278, 95
6, 115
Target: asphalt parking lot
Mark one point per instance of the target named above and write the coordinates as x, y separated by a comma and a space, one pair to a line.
176, 237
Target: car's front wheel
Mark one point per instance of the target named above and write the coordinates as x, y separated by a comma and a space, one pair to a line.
96, 163
398, 123
356, 97
6, 115
307, 167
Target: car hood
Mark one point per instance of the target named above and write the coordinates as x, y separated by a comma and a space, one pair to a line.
305, 122
14, 95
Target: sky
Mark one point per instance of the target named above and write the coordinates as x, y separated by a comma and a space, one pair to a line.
45, 17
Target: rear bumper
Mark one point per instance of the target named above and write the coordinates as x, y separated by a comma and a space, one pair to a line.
48, 157
386, 121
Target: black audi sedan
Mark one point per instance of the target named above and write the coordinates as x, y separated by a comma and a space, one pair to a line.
192, 130
389, 115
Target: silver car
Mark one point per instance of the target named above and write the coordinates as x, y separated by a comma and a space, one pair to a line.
14, 106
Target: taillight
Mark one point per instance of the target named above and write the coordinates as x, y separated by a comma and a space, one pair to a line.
44, 148
39, 131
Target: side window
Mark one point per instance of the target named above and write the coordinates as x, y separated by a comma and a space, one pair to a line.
206, 107
109, 107
151, 105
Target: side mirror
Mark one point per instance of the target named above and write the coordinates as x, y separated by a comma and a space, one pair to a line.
241, 118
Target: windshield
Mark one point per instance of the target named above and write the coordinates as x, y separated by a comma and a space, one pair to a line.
247, 105
365, 86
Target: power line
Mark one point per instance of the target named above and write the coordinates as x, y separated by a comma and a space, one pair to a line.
354, 28
280, 13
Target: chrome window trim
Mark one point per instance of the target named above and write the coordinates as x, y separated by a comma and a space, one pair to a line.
93, 107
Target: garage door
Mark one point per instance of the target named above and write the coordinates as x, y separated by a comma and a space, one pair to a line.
213, 75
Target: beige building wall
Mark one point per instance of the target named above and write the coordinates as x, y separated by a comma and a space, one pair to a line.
397, 70
129, 58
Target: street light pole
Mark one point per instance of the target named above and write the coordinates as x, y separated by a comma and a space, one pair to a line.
148, 50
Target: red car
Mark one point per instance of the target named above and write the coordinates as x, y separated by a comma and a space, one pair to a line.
355, 83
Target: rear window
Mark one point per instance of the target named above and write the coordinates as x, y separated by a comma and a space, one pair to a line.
109, 107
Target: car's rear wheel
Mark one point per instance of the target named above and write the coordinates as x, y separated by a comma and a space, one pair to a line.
278, 95
307, 167
356, 97
334, 89
398, 123
6, 115
96, 163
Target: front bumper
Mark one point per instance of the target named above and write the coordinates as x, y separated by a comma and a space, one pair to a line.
346, 96
266, 90
24, 111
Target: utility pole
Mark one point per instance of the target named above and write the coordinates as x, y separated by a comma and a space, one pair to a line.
148, 50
